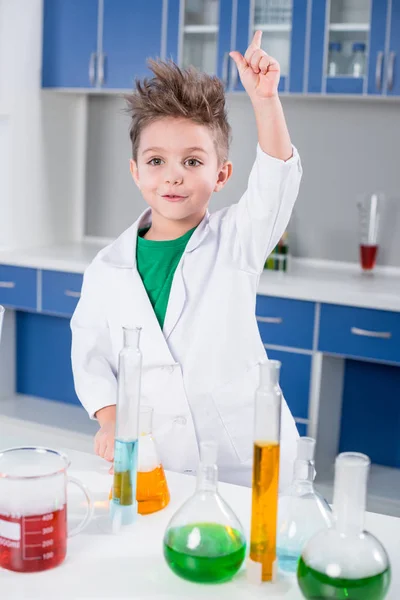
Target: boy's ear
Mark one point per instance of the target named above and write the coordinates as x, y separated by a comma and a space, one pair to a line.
224, 174
134, 171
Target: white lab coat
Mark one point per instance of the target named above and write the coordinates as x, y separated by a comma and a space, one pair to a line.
200, 372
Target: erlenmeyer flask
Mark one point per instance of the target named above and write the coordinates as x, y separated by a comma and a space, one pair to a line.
152, 492
204, 541
344, 561
302, 510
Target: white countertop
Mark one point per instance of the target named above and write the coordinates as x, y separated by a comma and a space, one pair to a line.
318, 281
131, 565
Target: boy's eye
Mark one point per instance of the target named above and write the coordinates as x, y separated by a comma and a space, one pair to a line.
155, 162
192, 162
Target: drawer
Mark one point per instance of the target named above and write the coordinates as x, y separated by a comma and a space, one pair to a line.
60, 292
285, 322
295, 380
18, 287
360, 332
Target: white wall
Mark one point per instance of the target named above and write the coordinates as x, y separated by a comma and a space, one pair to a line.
347, 147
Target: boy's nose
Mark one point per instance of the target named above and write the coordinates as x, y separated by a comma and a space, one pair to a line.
174, 179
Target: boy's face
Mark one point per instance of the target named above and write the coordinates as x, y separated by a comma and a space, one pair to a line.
177, 168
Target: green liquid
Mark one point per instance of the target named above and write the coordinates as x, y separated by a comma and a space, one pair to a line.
318, 586
204, 552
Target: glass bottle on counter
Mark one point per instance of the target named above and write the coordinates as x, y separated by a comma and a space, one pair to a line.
302, 510
334, 59
204, 541
345, 562
357, 63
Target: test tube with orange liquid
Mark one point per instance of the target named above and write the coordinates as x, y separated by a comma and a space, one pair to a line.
264, 509
152, 493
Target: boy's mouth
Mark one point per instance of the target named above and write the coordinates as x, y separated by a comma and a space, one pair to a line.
174, 197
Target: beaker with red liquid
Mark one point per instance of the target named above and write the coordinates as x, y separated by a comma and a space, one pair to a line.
33, 509
369, 213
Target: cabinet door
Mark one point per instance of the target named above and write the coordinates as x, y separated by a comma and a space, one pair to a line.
377, 61
131, 35
283, 24
295, 379
339, 46
204, 35
393, 66
69, 43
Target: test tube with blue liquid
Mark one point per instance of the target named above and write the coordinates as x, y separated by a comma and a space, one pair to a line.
123, 505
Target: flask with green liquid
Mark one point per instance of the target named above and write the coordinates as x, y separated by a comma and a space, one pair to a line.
345, 562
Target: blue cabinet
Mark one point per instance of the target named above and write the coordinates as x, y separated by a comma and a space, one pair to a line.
132, 33
354, 45
295, 380
285, 322
60, 292
18, 287
69, 43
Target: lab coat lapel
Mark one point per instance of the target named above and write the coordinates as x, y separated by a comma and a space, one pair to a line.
178, 294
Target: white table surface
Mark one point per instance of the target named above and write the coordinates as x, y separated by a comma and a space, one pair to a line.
131, 564
314, 280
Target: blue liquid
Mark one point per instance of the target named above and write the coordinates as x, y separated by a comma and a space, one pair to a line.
123, 502
288, 561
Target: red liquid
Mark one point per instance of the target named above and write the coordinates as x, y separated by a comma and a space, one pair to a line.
33, 543
368, 256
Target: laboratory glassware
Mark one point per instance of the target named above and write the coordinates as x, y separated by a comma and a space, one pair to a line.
345, 562
204, 541
357, 63
33, 508
369, 213
302, 511
152, 492
262, 562
123, 505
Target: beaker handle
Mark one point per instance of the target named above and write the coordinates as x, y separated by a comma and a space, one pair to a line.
89, 511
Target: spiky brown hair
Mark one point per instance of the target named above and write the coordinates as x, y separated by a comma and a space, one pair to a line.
179, 93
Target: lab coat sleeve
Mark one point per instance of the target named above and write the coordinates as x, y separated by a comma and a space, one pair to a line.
263, 212
93, 365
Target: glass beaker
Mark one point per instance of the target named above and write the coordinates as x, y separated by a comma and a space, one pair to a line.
302, 510
204, 541
344, 561
152, 492
369, 215
33, 508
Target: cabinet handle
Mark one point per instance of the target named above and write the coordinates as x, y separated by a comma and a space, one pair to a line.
273, 320
7, 284
92, 68
72, 294
225, 69
392, 58
100, 69
378, 70
383, 335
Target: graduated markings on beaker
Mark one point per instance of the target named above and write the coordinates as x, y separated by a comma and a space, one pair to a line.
264, 506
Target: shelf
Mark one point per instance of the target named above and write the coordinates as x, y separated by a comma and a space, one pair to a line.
274, 27
351, 27
200, 29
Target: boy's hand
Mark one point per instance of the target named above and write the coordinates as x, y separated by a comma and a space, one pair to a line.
259, 72
104, 441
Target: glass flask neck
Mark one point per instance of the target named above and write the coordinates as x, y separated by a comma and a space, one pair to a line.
207, 475
131, 337
350, 492
304, 469
268, 404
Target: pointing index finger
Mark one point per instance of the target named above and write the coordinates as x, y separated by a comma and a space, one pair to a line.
256, 41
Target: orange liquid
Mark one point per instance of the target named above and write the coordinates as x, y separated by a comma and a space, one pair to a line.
264, 507
152, 493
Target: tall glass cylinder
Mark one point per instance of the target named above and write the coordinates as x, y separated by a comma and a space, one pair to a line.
123, 506
261, 566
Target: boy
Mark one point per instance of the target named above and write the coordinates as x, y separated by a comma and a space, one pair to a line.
188, 278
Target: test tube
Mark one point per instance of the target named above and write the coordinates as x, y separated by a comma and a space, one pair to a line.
262, 562
123, 506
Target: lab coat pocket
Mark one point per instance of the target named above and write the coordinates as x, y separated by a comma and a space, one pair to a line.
235, 404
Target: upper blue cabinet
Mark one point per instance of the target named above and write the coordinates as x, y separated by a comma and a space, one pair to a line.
323, 46
353, 46
99, 43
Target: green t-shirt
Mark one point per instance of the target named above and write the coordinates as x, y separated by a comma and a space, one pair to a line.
156, 263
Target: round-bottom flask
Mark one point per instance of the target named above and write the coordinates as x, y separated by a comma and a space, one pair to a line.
204, 541
345, 562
